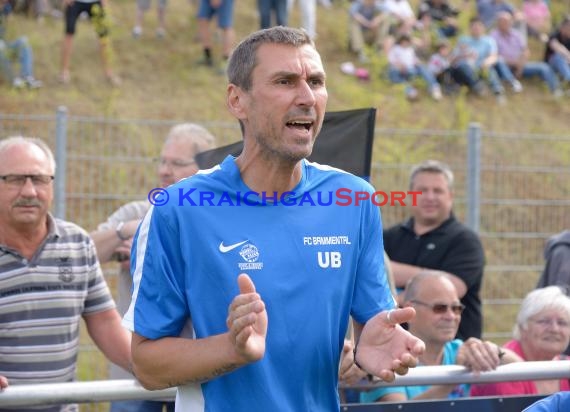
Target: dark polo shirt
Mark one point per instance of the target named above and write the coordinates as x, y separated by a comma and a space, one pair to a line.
453, 248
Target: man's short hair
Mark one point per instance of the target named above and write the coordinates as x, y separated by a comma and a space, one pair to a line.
200, 137
432, 166
244, 57
11, 141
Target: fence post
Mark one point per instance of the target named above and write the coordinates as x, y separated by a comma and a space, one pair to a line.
61, 159
473, 194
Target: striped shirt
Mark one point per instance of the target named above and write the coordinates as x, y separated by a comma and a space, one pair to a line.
41, 303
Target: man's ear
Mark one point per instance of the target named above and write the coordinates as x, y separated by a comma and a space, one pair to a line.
236, 101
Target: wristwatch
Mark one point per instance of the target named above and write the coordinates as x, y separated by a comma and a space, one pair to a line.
119, 233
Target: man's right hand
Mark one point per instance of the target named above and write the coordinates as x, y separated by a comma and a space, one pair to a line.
247, 321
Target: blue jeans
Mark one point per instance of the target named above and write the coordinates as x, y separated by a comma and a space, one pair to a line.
141, 406
397, 76
542, 70
265, 7
560, 65
22, 50
464, 73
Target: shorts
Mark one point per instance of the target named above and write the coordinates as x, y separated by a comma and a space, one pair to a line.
144, 5
96, 15
225, 13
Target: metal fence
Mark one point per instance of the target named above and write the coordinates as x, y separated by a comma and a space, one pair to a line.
514, 189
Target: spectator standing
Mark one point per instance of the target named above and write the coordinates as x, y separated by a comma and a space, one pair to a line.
113, 238
97, 13
308, 12
433, 240
142, 8
279, 9
541, 333
557, 257
49, 279
21, 48
514, 51
224, 9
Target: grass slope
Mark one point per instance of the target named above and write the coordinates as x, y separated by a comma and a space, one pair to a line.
162, 81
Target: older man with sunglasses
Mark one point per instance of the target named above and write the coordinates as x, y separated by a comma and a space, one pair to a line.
438, 313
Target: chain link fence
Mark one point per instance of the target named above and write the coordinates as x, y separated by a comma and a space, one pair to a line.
513, 189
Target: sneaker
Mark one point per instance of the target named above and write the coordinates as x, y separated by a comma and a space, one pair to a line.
18, 83
558, 94
137, 32
33, 83
436, 93
347, 68
160, 33
517, 86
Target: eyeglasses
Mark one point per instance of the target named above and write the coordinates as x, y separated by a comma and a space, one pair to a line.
561, 323
174, 164
441, 308
20, 180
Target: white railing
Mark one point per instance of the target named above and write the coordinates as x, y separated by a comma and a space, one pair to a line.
111, 390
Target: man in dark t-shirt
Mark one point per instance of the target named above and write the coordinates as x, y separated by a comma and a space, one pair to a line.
557, 51
433, 240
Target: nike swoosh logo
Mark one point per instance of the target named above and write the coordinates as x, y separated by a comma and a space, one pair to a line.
226, 249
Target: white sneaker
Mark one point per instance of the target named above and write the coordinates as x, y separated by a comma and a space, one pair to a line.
436, 93
18, 83
137, 32
558, 93
517, 86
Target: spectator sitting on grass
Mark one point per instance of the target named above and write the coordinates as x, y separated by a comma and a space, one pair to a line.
19, 48
404, 66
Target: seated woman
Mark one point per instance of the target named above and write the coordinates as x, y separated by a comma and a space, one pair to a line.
541, 333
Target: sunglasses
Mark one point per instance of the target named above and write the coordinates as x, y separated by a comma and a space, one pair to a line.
440, 308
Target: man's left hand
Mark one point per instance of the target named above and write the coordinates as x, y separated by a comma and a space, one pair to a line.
385, 348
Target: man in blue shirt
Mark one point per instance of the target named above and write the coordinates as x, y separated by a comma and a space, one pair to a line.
270, 338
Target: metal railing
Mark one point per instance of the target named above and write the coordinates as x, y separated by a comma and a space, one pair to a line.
111, 390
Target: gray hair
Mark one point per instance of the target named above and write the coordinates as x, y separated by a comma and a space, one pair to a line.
12, 141
432, 166
244, 57
550, 297
198, 135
